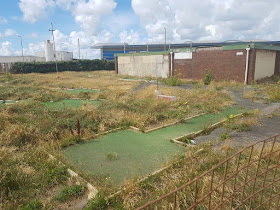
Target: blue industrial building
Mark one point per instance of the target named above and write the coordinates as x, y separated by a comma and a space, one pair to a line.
109, 50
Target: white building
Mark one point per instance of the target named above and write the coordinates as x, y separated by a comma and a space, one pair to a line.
50, 55
28, 58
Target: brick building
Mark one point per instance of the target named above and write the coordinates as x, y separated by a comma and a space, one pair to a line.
242, 62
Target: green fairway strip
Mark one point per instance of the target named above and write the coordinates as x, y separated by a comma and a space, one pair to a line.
139, 154
70, 103
77, 91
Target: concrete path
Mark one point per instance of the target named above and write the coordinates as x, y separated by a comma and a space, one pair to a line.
269, 122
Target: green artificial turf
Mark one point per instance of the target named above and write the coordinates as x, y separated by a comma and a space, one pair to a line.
70, 103
136, 154
77, 91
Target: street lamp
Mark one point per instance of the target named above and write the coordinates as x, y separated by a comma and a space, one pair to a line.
21, 48
164, 39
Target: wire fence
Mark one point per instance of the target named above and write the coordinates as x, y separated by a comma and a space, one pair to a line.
249, 179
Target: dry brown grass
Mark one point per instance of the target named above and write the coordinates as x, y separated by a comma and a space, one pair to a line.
197, 161
31, 127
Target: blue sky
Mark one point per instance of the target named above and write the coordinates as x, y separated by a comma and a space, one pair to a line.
132, 21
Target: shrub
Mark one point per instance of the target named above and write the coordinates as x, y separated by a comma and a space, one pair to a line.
207, 78
73, 65
173, 81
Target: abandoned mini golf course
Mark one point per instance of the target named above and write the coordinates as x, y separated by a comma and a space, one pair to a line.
128, 154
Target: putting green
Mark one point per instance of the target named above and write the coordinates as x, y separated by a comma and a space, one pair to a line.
77, 91
136, 154
70, 103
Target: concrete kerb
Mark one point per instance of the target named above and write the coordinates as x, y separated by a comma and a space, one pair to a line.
82, 89
174, 123
178, 140
92, 190
140, 130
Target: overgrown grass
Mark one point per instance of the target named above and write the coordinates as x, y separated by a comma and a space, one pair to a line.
69, 192
28, 129
197, 160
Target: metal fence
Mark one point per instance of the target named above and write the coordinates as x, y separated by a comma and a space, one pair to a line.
249, 179
5, 67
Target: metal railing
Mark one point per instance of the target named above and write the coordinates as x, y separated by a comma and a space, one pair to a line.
249, 179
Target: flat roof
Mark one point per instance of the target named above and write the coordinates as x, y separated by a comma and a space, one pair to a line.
186, 44
253, 46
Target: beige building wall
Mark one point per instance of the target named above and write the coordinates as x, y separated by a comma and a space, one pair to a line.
13, 59
144, 65
265, 64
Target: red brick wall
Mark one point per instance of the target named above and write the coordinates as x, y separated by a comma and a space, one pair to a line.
223, 65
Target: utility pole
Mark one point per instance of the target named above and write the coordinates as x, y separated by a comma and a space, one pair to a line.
79, 48
124, 47
21, 48
164, 39
52, 30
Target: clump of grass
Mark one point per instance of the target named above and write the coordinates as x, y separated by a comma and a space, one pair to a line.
33, 205
100, 202
207, 129
173, 81
224, 136
6, 78
112, 156
69, 192
208, 78
273, 92
250, 95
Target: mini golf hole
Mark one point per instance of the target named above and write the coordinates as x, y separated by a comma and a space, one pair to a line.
112, 156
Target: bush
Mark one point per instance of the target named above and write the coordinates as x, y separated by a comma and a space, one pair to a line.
207, 78
73, 65
173, 81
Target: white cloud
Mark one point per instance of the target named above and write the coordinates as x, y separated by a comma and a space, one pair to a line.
10, 32
6, 48
88, 13
86, 41
34, 10
208, 19
34, 47
129, 37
